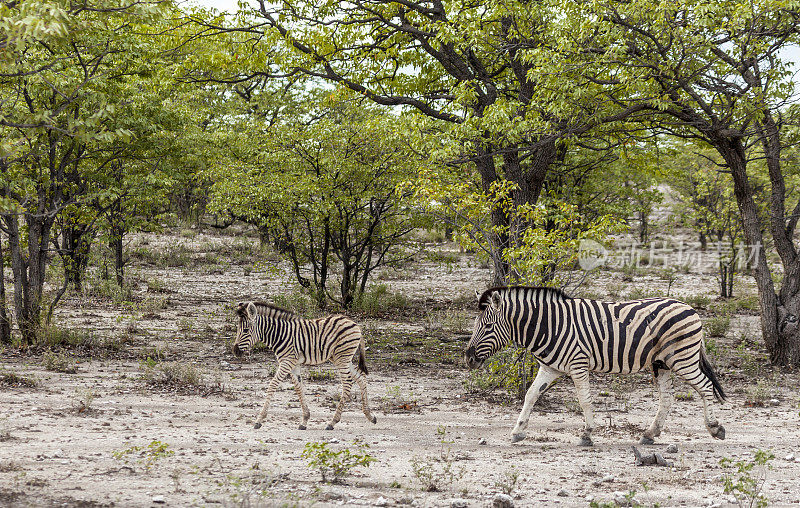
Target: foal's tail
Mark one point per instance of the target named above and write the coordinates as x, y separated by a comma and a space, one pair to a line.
362, 364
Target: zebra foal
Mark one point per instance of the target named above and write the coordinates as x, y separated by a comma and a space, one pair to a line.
575, 336
297, 341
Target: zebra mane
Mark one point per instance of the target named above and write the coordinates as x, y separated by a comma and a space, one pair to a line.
554, 293
267, 309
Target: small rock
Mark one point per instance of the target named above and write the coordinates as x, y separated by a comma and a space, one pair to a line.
562, 493
381, 501
482, 441
405, 500
774, 402
589, 498
673, 448
789, 458
459, 503
502, 501
159, 499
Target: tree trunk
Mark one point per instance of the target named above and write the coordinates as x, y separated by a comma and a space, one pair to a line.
116, 233
779, 321
76, 242
5, 322
498, 240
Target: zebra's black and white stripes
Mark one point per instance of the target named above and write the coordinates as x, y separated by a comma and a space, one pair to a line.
574, 336
297, 341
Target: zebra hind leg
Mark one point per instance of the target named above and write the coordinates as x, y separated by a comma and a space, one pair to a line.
664, 383
283, 370
702, 384
347, 383
583, 389
362, 384
298, 388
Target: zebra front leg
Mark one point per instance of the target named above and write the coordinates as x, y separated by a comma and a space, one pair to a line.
664, 383
283, 370
362, 384
298, 388
583, 388
543, 380
347, 382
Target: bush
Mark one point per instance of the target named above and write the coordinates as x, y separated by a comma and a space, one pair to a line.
58, 362
718, 326
378, 300
334, 466
503, 370
14, 380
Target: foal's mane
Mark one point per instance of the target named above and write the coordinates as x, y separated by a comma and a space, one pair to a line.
267, 309
553, 293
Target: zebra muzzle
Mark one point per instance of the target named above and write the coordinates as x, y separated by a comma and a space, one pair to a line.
471, 359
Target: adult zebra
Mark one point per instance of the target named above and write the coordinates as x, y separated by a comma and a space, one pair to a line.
575, 336
297, 341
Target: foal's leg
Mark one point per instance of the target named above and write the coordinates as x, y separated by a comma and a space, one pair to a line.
347, 382
298, 388
362, 384
283, 370
664, 383
544, 378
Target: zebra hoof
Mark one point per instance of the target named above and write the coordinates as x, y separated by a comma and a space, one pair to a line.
646, 440
329, 427
374, 420
257, 426
717, 432
302, 427
516, 438
585, 441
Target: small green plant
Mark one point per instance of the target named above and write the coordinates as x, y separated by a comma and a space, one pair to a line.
183, 377
436, 473
58, 362
718, 326
185, 326
747, 483
82, 401
508, 482
147, 455
696, 301
14, 380
684, 396
334, 466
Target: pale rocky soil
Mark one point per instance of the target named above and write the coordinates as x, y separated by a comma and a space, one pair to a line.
52, 453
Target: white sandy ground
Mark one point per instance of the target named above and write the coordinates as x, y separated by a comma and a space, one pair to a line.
53, 455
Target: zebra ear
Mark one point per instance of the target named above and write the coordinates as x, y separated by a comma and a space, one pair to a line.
251, 310
477, 296
240, 309
496, 300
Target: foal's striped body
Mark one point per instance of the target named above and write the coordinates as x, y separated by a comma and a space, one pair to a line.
297, 341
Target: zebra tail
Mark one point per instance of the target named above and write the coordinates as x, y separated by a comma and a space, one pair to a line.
708, 370
362, 364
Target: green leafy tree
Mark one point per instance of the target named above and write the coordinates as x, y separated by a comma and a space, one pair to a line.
464, 66
712, 72
54, 112
322, 187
